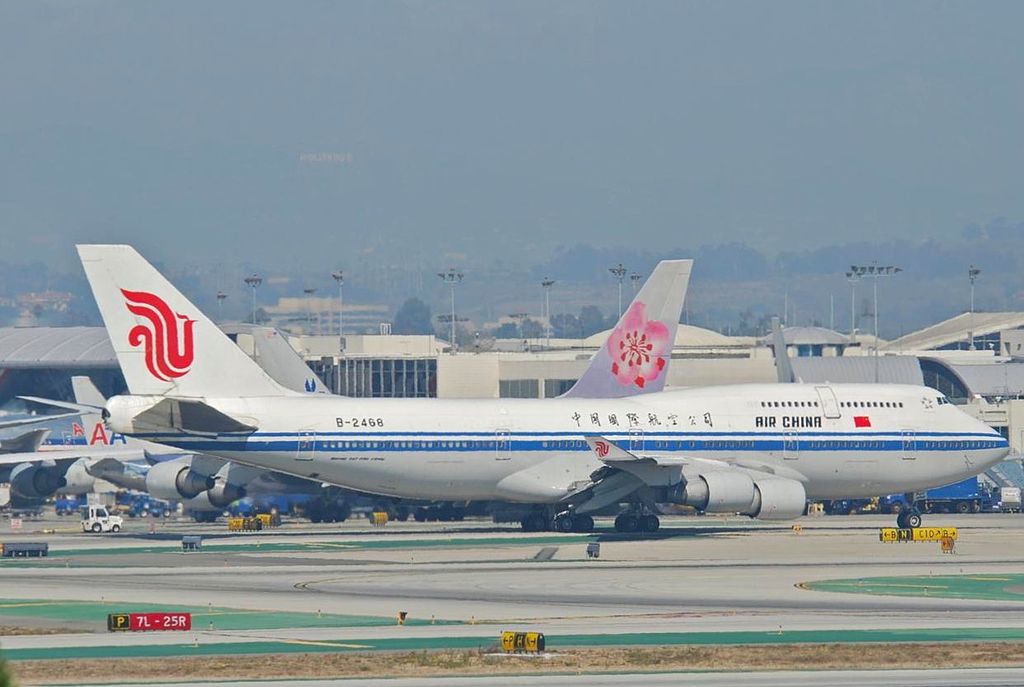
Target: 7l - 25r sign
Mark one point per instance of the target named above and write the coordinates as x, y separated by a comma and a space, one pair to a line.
148, 622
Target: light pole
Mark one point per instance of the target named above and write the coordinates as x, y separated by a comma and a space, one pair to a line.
220, 306
519, 317
874, 270
309, 291
853, 278
547, 283
452, 278
972, 274
252, 282
339, 277
619, 271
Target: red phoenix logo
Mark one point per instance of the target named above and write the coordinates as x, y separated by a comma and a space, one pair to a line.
168, 342
601, 447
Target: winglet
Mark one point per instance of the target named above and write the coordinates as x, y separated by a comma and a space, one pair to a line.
608, 451
783, 366
636, 357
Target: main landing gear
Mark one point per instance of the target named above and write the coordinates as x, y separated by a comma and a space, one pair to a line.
908, 519
566, 521
635, 521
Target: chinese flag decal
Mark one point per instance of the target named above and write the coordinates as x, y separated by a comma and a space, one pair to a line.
861, 421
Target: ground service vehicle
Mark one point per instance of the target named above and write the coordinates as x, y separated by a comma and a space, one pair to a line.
967, 496
98, 519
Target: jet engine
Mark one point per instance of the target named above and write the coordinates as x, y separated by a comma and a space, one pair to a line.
175, 479
37, 480
77, 479
730, 491
223, 493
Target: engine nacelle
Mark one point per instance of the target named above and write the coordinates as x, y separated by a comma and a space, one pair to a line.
175, 479
37, 480
77, 479
765, 497
725, 491
778, 498
222, 494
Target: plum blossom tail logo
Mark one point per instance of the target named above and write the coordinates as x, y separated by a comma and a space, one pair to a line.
601, 447
165, 335
638, 347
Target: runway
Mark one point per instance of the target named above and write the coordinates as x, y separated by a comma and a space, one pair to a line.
339, 588
996, 677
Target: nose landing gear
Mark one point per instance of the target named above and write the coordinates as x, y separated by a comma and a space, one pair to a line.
908, 518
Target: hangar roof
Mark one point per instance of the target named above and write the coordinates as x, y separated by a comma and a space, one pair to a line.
56, 347
686, 335
988, 379
955, 329
795, 336
892, 369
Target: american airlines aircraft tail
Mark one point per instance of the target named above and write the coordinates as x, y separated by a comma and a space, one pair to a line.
636, 357
156, 332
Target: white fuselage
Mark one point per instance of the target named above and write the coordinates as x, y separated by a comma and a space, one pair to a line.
841, 441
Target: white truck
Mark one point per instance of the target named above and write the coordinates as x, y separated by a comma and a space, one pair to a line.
98, 519
1009, 499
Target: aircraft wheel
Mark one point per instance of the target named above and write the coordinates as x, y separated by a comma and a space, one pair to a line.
534, 522
649, 523
583, 523
626, 522
913, 519
564, 523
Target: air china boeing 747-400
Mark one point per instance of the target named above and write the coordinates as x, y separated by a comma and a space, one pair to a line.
761, 450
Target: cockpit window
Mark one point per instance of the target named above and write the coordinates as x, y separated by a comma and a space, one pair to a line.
942, 400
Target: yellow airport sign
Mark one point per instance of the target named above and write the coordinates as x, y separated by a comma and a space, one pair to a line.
525, 642
891, 535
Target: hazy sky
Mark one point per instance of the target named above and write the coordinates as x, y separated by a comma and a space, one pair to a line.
228, 130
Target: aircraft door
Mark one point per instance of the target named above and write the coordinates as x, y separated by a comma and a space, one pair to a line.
636, 440
502, 445
829, 403
307, 446
909, 445
790, 446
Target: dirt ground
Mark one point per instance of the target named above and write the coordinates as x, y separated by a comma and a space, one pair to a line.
474, 662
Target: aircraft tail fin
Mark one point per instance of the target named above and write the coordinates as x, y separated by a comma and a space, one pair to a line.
164, 344
783, 366
636, 357
86, 394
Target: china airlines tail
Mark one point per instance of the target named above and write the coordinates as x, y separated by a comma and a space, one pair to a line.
164, 344
636, 357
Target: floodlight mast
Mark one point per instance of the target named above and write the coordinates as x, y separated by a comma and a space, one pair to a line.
253, 281
619, 272
339, 278
452, 278
972, 275
874, 270
546, 284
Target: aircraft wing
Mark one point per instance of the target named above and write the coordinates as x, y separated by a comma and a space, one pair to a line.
79, 408
7, 424
626, 473
125, 455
